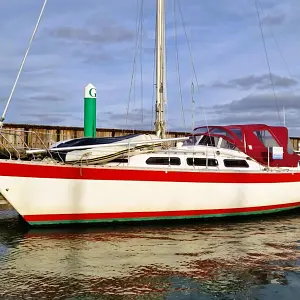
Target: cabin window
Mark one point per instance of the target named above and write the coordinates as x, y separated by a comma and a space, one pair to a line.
235, 163
209, 141
165, 161
201, 130
227, 145
237, 132
120, 160
221, 132
266, 138
290, 147
194, 161
191, 141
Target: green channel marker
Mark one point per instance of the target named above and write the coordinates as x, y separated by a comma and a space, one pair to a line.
90, 99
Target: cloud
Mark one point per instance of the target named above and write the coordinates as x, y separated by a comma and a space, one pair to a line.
101, 57
258, 109
273, 19
108, 33
136, 118
260, 103
47, 98
260, 82
47, 118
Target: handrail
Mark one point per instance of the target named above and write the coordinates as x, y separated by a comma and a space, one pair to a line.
18, 153
6, 150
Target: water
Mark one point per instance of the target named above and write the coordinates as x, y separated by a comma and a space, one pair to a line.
254, 259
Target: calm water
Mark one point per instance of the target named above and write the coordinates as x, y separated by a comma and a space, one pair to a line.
254, 259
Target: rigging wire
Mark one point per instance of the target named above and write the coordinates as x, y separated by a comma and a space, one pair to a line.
192, 61
132, 80
137, 28
22, 64
177, 64
267, 58
277, 45
283, 59
153, 88
193, 106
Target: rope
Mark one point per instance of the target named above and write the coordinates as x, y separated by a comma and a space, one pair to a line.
22, 64
267, 58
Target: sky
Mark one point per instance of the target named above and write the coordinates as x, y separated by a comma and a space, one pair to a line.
218, 71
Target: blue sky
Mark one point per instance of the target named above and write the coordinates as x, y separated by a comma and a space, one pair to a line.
94, 41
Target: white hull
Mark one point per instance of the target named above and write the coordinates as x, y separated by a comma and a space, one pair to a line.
63, 200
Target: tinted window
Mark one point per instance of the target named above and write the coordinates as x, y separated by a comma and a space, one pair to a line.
290, 147
120, 160
163, 161
227, 145
202, 129
191, 141
209, 141
266, 138
237, 132
235, 163
221, 132
191, 161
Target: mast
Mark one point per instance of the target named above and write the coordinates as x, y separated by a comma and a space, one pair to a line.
160, 69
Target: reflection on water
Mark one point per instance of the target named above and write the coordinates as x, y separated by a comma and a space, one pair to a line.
254, 259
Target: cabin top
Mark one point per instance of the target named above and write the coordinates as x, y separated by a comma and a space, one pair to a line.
259, 141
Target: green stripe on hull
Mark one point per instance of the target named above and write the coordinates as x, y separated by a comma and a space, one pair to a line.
161, 218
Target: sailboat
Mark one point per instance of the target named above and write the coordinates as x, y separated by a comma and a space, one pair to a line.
214, 171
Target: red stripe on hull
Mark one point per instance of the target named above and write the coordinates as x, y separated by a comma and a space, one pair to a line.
16, 169
154, 214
